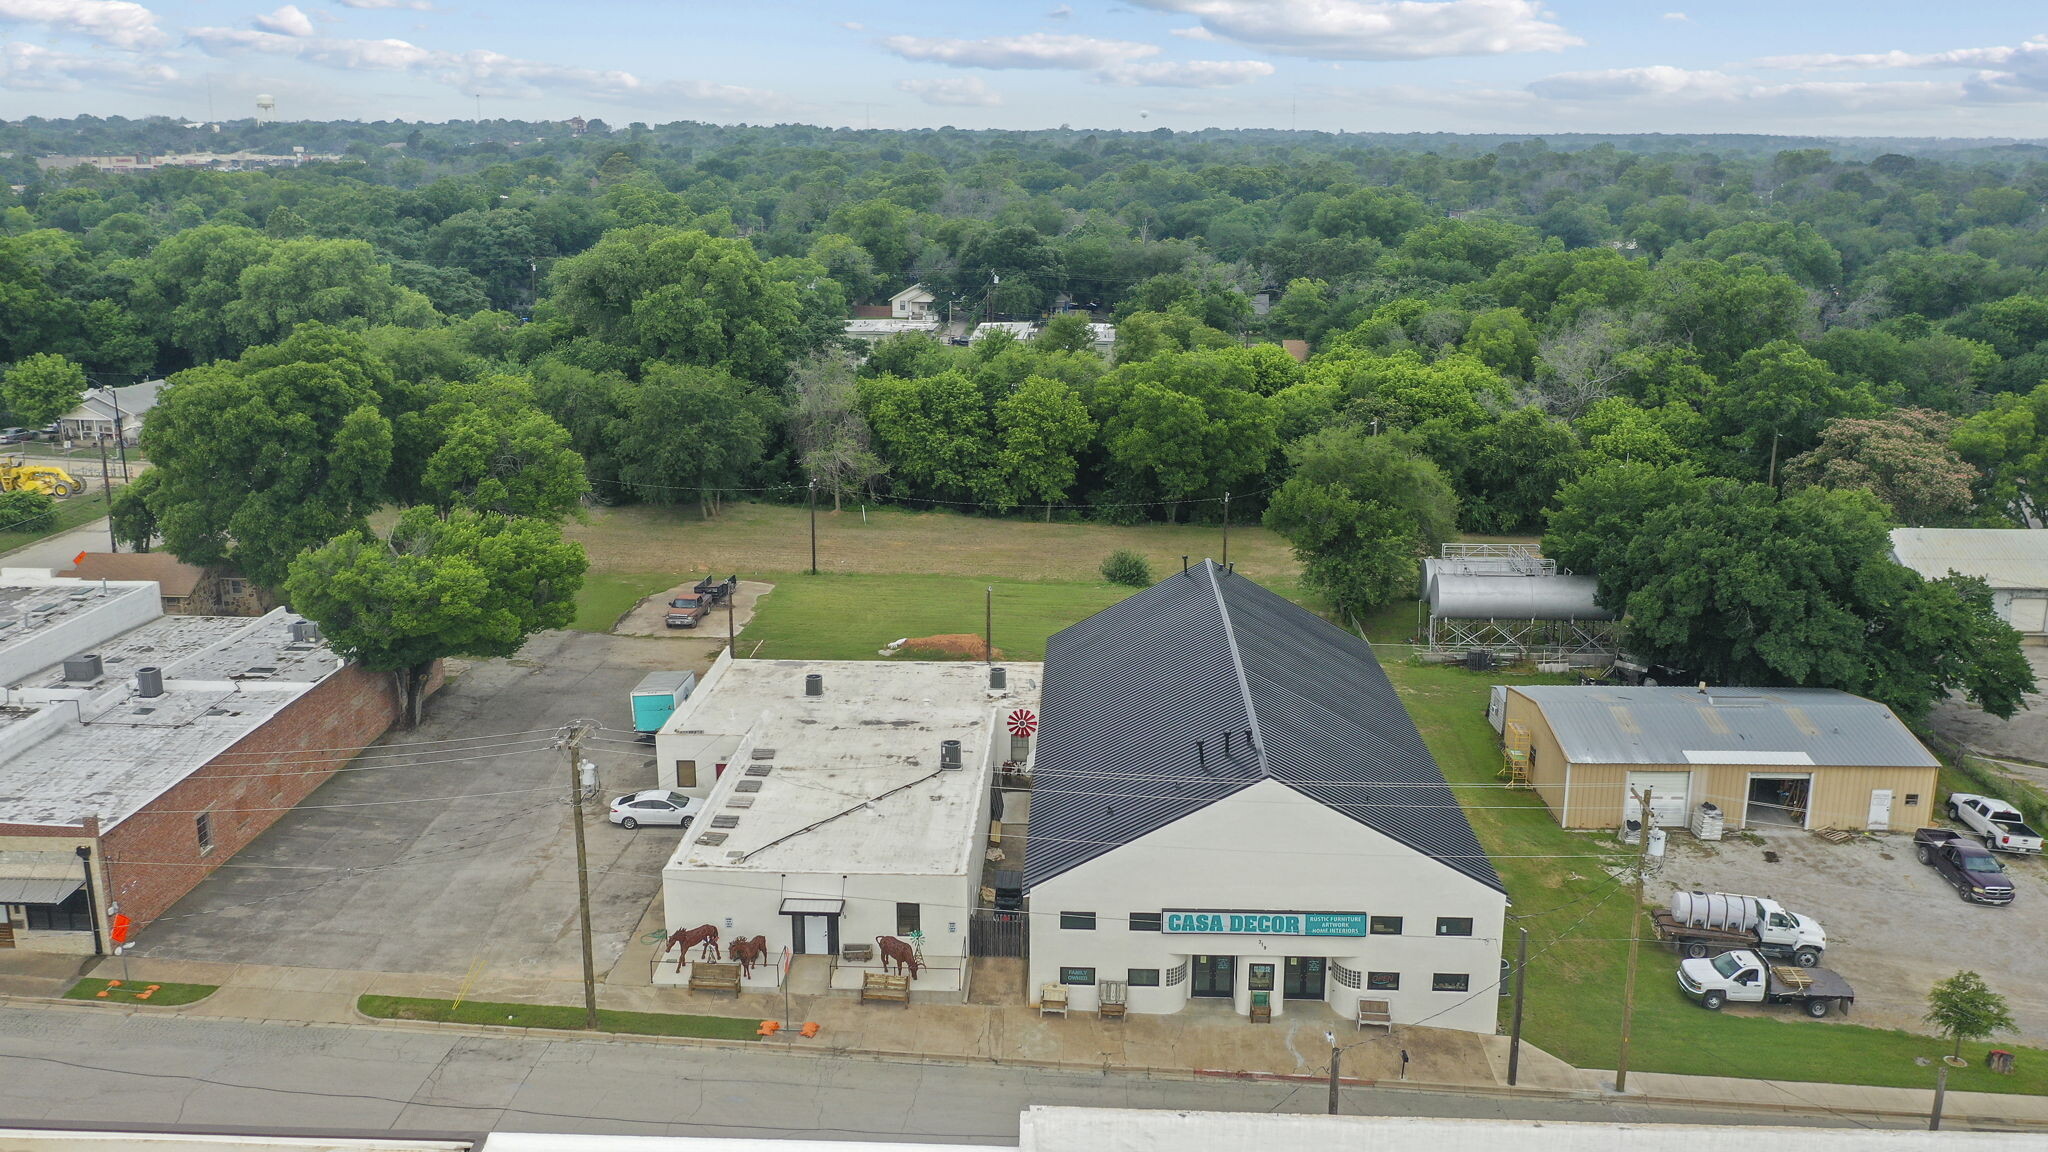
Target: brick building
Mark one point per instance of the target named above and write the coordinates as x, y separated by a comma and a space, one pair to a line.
139, 751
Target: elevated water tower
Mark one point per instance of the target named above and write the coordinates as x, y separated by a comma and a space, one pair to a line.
265, 105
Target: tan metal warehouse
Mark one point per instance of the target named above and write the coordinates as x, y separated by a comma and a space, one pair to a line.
1790, 757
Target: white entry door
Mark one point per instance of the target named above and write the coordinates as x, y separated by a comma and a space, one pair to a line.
1880, 810
1670, 793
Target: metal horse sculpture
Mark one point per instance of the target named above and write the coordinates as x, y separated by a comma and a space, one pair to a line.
747, 952
688, 938
901, 952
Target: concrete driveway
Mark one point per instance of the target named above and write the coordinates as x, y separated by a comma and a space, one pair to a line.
649, 616
380, 871
1894, 926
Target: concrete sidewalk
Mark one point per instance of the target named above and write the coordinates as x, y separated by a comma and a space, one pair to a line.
1196, 1042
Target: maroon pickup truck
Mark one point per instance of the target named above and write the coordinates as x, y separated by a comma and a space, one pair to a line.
1967, 865
684, 611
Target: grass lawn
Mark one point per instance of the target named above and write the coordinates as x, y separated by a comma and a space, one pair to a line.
71, 512
140, 992
606, 596
845, 617
557, 1016
1578, 922
751, 539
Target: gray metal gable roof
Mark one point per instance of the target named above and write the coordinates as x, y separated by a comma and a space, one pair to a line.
1131, 690
1615, 725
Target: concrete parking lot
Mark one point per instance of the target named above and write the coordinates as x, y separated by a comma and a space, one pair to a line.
1894, 926
452, 858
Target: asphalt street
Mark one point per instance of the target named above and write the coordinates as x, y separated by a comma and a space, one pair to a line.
87, 1066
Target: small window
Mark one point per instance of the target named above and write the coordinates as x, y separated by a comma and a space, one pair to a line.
1145, 921
1454, 925
1450, 982
1385, 926
1083, 921
686, 773
909, 919
1142, 978
1912, 799
1383, 981
1081, 976
203, 824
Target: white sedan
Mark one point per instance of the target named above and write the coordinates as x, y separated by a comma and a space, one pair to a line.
655, 806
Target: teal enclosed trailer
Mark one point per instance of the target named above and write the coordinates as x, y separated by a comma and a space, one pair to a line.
656, 697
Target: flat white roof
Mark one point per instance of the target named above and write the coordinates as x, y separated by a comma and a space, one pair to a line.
852, 782
2012, 559
71, 750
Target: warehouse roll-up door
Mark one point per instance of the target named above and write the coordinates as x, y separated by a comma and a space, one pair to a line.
1670, 793
2028, 614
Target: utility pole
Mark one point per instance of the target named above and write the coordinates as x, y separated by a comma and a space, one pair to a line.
1940, 1091
988, 624
106, 485
572, 741
732, 632
1226, 529
120, 432
814, 525
1336, 1058
1635, 935
1773, 481
1521, 985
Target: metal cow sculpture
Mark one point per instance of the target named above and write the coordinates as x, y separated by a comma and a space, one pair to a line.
747, 952
901, 952
688, 938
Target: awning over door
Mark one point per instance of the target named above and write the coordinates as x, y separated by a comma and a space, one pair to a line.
795, 906
39, 877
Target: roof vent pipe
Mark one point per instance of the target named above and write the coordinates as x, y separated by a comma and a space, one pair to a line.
1202, 756
998, 677
814, 684
149, 681
1226, 745
1183, 565
83, 669
949, 755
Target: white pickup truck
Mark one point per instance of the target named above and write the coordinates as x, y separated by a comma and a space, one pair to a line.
1743, 977
2001, 825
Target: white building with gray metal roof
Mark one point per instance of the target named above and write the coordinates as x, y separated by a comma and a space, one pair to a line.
2013, 561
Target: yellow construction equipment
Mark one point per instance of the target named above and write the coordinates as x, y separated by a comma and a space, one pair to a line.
17, 475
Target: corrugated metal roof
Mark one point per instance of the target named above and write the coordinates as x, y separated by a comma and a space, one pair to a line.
1210, 656
1620, 725
2001, 557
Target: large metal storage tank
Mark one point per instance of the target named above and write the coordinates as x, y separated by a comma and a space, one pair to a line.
1455, 597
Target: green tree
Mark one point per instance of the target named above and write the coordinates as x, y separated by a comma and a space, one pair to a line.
696, 433
41, 388
1775, 402
1128, 568
467, 584
1723, 309
26, 510
1963, 1007
1043, 428
1902, 457
1360, 512
503, 455
1184, 426
2008, 443
834, 445
265, 456
1068, 332
933, 433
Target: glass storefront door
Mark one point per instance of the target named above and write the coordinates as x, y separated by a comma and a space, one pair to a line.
1304, 978
1211, 975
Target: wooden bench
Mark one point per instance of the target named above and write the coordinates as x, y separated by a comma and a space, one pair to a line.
715, 978
1112, 999
885, 987
1052, 998
857, 953
1375, 1012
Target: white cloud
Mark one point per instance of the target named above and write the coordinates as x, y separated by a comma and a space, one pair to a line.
2017, 72
116, 23
1187, 73
1660, 80
286, 21
1031, 50
32, 67
853, 26
1379, 29
952, 92
409, 5
475, 71
1665, 86
1678, 17
1195, 33
1060, 12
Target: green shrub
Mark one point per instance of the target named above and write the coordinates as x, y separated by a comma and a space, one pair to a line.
1124, 566
27, 512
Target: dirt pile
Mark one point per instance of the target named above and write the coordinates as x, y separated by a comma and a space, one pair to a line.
951, 646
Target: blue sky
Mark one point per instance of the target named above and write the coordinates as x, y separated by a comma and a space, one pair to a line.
1805, 66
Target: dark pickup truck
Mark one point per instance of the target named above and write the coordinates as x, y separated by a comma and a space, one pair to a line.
1967, 865
685, 611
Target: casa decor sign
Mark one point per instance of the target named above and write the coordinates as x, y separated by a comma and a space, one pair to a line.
1266, 923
